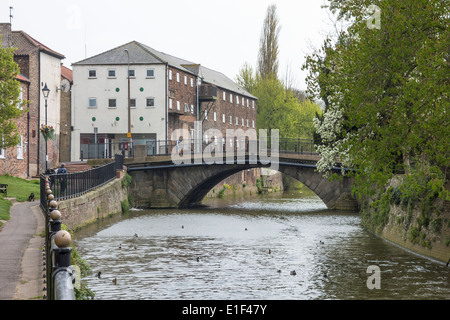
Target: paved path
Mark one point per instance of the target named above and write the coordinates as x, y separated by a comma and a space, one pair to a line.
21, 246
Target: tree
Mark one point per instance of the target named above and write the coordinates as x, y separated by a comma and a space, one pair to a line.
386, 92
10, 103
268, 48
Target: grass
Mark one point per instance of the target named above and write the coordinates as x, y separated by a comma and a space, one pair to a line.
17, 188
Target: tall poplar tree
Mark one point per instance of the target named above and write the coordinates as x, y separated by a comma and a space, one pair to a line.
268, 48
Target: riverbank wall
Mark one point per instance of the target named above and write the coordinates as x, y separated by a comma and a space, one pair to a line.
422, 226
107, 200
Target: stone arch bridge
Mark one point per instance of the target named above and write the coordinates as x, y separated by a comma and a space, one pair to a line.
159, 183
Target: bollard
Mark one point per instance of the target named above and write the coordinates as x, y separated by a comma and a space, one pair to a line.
62, 276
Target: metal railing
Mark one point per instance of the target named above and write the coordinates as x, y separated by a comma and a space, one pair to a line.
164, 148
71, 185
60, 275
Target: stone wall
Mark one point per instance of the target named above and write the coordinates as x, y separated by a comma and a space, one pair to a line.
415, 224
97, 204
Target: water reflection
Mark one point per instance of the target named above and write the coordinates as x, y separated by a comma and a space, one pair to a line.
247, 250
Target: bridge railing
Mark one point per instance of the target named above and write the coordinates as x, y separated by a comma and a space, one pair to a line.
164, 148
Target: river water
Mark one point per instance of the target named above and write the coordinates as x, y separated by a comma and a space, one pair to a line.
246, 248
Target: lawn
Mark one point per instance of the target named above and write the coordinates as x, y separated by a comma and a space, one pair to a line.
17, 188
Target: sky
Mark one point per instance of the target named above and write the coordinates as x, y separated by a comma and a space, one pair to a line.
219, 34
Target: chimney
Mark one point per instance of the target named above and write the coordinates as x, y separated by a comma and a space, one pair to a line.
5, 31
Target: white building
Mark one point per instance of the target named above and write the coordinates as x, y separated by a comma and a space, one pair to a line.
100, 101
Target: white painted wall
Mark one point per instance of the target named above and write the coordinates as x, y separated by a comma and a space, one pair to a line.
103, 88
51, 74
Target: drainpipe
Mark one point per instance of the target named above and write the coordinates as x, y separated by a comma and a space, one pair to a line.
39, 116
167, 107
28, 130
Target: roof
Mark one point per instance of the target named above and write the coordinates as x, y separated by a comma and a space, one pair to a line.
22, 78
67, 73
40, 45
142, 54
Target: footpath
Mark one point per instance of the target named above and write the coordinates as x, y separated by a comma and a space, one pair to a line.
21, 253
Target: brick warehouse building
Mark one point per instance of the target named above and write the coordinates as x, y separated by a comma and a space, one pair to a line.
39, 64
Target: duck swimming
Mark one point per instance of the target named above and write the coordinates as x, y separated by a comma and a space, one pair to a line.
293, 273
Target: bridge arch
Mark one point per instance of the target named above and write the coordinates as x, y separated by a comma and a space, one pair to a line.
181, 186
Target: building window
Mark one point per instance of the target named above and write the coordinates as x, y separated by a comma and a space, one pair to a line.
186, 108
237, 99
112, 103
243, 123
151, 74
111, 73
231, 97
132, 103
215, 116
237, 121
178, 105
150, 102
185, 80
192, 82
248, 105
192, 108
253, 104
92, 102
224, 96
170, 103
253, 123
20, 148
231, 119
92, 74
243, 101
132, 73
223, 118
170, 74
178, 77
247, 123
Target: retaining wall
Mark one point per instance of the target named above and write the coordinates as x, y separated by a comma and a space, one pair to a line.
97, 204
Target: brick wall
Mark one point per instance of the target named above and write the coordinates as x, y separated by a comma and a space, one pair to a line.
185, 93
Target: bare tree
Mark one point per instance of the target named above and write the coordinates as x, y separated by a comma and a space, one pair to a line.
268, 48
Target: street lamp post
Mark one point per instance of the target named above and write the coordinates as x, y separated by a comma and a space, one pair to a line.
129, 103
46, 92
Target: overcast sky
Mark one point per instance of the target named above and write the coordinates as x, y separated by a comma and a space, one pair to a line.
219, 34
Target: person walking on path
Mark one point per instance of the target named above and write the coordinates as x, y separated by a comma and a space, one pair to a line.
19, 255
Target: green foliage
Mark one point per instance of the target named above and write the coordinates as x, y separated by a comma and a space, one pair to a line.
126, 181
10, 102
125, 205
386, 94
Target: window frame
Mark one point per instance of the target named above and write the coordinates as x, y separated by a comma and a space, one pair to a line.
89, 103
89, 73
109, 103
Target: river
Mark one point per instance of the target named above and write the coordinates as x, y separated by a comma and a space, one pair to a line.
247, 248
